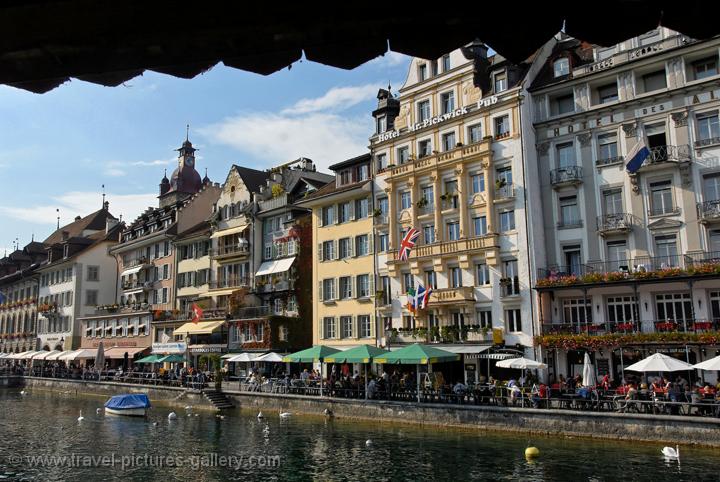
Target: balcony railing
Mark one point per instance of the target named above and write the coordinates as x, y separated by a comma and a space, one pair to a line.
615, 223
135, 285
426, 209
414, 166
450, 202
134, 262
459, 294
506, 191
381, 219
570, 175
664, 211
450, 247
273, 203
230, 250
632, 326
609, 161
250, 312
239, 282
710, 141
709, 211
669, 153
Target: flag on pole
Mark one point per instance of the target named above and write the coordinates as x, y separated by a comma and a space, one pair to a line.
422, 297
197, 313
407, 243
411, 300
637, 156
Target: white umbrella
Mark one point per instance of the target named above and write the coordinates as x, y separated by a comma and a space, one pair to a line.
242, 358
659, 363
589, 379
520, 364
100, 358
710, 365
271, 357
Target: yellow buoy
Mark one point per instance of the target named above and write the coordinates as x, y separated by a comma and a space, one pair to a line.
532, 452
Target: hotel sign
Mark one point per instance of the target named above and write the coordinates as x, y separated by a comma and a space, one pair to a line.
207, 348
169, 347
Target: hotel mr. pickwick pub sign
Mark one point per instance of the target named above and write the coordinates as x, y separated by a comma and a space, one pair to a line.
438, 119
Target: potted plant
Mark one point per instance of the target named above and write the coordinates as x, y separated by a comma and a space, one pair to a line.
422, 202
499, 183
505, 281
377, 212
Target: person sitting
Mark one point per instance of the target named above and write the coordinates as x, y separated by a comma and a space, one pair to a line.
539, 394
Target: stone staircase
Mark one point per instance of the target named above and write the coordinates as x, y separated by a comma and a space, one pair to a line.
218, 399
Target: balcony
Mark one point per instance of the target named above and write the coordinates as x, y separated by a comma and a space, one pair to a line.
709, 211
135, 262
449, 202
137, 285
618, 223
668, 153
251, 312
270, 287
380, 219
488, 241
274, 203
238, 282
631, 327
566, 176
230, 251
426, 209
504, 191
610, 161
453, 295
710, 141
439, 160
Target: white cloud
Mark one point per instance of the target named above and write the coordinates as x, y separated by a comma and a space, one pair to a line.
81, 203
117, 168
112, 172
335, 99
390, 59
324, 138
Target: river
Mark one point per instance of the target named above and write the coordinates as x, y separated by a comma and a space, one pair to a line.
41, 439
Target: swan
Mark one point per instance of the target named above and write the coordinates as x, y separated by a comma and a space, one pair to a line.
188, 407
285, 415
221, 417
260, 415
98, 410
155, 424
172, 416
23, 393
672, 453
328, 412
197, 415
81, 418
368, 442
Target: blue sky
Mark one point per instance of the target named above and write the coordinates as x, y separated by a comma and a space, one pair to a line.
60, 147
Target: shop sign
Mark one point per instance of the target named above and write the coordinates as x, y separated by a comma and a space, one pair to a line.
169, 347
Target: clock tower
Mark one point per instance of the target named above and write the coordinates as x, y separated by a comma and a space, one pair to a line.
185, 180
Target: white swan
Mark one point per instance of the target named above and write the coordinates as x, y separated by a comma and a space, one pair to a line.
23, 393
172, 416
188, 407
368, 442
285, 415
671, 453
81, 418
98, 410
260, 415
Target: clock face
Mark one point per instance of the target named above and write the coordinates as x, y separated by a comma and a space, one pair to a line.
190, 161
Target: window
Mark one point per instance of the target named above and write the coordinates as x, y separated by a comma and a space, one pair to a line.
572, 258
408, 282
569, 213
561, 67
384, 242
484, 318
455, 277
661, 198
346, 327
328, 250
674, 307
474, 133
345, 177
512, 280
482, 274
513, 320
362, 245
292, 303
480, 226
431, 279
453, 228
93, 273
448, 141
607, 146
403, 154
477, 182
328, 327
507, 221
422, 72
345, 287
381, 162
344, 248
429, 233
612, 202
654, 81
427, 193
500, 82
445, 62
364, 326
382, 205
362, 208
447, 102
91, 297
502, 126
165, 295
381, 124
566, 155
363, 286
423, 110
666, 251
328, 215
166, 271
608, 93
705, 68
363, 172
708, 127
424, 148
565, 104
617, 256
343, 212
577, 311
405, 201
328, 287
711, 186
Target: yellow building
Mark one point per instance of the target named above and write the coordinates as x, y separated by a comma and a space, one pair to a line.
343, 261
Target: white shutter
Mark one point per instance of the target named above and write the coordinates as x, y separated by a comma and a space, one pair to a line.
371, 285
352, 210
320, 252
353, 287
371, 243
336, 289
336, 217
320, 291
336, 254
351, 246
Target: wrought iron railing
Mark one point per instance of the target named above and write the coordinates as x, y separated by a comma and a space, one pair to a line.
568, 174
615, 222
709, 210
666, 153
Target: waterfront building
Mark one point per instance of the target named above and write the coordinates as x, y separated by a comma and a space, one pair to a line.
77, 275
343, 264
627, 257
449, 159
19, 287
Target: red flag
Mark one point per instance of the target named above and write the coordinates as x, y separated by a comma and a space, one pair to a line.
197, 313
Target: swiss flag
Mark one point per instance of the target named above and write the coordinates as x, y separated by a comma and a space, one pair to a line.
197, 313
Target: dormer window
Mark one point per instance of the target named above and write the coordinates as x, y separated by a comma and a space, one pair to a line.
561, 67
381, 124
500, 83
363, 172
66, 250
445, 63
345, 177
422, 72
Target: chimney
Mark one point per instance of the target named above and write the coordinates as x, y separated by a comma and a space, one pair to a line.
106, 205
78, 218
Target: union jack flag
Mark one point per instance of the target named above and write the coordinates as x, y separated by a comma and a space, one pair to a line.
408, 243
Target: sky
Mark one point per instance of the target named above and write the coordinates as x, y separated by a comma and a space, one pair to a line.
58, 149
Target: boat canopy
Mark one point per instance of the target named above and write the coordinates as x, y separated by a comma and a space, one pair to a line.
128, 402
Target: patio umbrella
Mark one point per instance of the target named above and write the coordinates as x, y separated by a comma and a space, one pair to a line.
171, 359
589, 379
417, 355
100, 359
271, 357
360, 354
150, 359
242, 358
315, 354
710, 365
520, 364
659, 363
